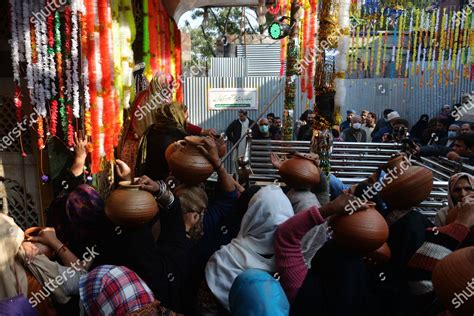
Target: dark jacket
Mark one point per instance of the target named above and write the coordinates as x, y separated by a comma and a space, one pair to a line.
377, 136
157, 140
349, 136
234, 131
305, 132
161, 264
344, 125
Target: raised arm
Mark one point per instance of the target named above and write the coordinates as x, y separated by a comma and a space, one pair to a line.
288, 255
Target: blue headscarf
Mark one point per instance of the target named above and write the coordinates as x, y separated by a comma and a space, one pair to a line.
257, 293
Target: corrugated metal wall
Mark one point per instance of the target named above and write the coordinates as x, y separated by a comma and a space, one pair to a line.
228, 67
263, 59
195, 96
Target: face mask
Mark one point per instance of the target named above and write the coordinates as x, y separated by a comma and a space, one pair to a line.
356, 125
263, 129
452, 134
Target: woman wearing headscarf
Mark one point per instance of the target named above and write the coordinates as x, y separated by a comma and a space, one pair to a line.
460, 185
22, 272
253, 246
117, 290
419, 127
169, 127
335, 284
257, 293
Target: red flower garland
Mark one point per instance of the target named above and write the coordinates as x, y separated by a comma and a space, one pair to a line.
108, 92
178, 62
314, 4
153, 31
54, 117
67, 45
18, 103
95, 130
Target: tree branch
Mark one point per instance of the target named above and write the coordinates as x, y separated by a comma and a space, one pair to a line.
217, 22
208, 42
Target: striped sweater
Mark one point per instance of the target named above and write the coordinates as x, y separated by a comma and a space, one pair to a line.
439, 243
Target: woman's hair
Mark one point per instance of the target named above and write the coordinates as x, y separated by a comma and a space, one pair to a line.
192, 198
304, 116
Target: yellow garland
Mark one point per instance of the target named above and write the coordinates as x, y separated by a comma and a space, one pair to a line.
431, 43
367, 44
442, 46
117, 53
456, 46
415, 43
379, 49
354, 65
399, 43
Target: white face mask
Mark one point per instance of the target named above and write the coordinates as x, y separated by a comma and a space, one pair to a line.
356, 125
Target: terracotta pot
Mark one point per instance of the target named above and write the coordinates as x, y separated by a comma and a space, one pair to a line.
362, 232
450, 281
188, 164
43, 249
170, 150
221, 145
129, 206
381, 255
411, 188
300, 173
397, 164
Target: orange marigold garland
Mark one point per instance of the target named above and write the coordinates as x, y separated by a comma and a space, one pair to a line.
107, 87
94, 119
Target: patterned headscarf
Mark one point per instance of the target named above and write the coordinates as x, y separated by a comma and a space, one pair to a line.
171, 115
112, 290
452, 183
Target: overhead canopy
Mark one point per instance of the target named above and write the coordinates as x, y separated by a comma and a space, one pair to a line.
176, 8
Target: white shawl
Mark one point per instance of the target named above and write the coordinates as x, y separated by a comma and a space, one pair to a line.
268, 208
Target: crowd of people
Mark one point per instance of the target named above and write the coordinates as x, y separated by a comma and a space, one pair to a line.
440, 136
229, 249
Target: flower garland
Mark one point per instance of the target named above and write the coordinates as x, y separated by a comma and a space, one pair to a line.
415, 42
394, 48
69, 83
450, 55
312, 31
14, 43
91, 57
127, 37
426, 28
420, 42
432, 52
407, 65
75, 58
385, 45
106, 64
380, 46
442, 46
28, 54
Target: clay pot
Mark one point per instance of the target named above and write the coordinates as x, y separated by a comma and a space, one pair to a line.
300, 172
362, 232
129, 206
397, 164
43, 249
381, 255
170, 150
451, 278
188, 164
221, 145
411, 188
